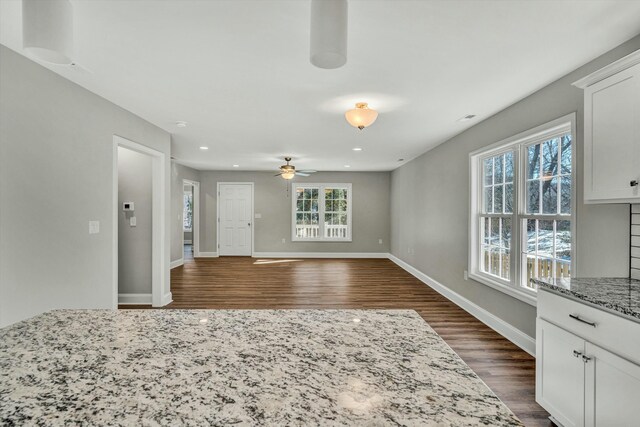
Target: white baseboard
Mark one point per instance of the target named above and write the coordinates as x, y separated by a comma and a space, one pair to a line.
511, 333
188, 242
133, 299
320, 255
206, 255
167, 299
176, 263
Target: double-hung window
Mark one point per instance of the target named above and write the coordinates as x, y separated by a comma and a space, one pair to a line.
321, 212
522, 209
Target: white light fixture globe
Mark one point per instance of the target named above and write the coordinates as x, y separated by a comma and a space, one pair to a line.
47, 30
361, 116
329, 22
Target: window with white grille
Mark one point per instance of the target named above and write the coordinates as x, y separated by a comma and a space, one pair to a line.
522, 214
321, 212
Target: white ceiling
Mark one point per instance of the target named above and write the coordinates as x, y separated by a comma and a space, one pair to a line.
239, 73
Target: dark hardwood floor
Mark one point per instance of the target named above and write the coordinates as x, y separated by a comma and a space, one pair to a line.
250, 283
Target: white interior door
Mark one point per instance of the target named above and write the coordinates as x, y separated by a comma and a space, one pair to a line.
235, 209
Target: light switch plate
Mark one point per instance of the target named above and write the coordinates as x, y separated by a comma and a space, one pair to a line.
132, 221
94, 227
258, 215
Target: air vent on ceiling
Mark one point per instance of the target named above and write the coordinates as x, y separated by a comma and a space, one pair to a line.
466, 118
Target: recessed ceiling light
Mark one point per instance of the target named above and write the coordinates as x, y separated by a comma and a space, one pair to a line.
401, 160
181, 124
204, 148
236, 166
357, 149
466, 118
347, 166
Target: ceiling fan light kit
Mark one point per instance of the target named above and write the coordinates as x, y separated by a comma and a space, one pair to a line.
329, 22
362, 116
289, 171
47, 30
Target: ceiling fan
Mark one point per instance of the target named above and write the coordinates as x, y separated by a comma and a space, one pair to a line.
289, 171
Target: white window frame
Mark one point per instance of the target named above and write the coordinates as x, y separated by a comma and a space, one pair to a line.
321, 205
518, 144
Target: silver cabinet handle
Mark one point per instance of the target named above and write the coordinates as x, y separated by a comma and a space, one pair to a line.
576, 317
576, 353
585, 359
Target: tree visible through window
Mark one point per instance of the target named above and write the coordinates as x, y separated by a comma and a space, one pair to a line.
187, 213
521, 215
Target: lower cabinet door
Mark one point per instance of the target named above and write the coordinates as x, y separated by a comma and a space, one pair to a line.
612, 389
560, 373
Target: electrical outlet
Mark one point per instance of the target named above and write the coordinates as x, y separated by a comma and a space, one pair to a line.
284, 240
466, 275
379, 241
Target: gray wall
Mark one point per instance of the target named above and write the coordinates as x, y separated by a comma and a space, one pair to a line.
430, 201
371, 196
134, 243
56, 174
178, 173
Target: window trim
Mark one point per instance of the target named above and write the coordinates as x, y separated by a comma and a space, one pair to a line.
516, 144
321, 187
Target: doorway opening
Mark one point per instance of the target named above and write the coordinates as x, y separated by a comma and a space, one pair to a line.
138, 225
191, 219
235, 219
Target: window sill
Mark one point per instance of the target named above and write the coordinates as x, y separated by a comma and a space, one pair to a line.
525, 296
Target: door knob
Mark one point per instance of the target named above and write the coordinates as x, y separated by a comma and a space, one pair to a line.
576, 353
634, 183
249, 224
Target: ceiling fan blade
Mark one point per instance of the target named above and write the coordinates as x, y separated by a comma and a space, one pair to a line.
302, 173
307, 171
278, 174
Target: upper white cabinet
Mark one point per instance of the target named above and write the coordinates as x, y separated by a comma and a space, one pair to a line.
612, 132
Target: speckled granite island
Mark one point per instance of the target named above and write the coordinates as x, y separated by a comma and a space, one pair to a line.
240, 367
617, 295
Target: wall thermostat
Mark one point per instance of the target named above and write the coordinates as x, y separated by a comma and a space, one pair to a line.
127, 206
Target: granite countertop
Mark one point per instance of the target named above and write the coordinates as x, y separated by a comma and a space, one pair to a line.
240, 367
618, 295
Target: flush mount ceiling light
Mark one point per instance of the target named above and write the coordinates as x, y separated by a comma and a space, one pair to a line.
181, 124
329, 21
47, 30
361, 116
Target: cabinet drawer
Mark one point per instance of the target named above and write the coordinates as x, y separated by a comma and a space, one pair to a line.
612, 332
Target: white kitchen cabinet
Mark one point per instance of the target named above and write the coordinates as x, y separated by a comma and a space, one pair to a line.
612, 132
560, 374
612, 389
587, 364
